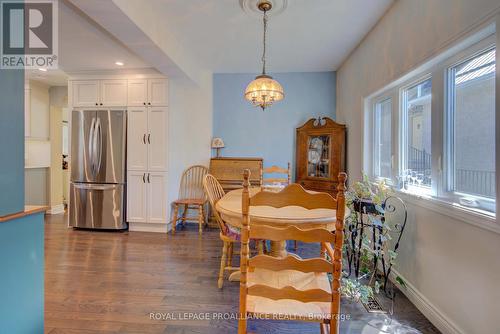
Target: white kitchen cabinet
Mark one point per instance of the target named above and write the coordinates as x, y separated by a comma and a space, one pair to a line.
137, 92
157, 92
146, 197
113, 93
99, 93
157, 139
137, 193
85, 93
157, 199
137, 147
147, 92
147, 139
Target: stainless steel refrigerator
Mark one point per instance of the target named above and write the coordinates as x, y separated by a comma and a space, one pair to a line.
98, 169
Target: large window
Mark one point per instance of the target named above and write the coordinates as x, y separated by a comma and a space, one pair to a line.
416, 150
432, 132
382, 141
471, 129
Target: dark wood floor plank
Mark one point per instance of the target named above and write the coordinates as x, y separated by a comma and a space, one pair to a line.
106, 282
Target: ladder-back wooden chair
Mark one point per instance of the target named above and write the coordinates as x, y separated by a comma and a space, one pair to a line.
293, 287
191, 197
277, 175
271, 181
214, 193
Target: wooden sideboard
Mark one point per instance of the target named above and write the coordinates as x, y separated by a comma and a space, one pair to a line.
229, 171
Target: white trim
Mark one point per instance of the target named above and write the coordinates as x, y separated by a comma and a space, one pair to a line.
56, 209
460, 213
429, 310
148, 227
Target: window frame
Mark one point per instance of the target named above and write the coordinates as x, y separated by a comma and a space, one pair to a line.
377, 102
447, 154
438, 71
403, 122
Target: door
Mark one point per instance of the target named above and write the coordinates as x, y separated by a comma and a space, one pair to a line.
110, 145
137, 197
137, 149
113, 93
157, 92
157, 139
85, 93
157, 200
97, 206
83, 124
137, 93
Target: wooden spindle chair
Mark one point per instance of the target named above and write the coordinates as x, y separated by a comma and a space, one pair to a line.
292, 286
214, 193
191, 197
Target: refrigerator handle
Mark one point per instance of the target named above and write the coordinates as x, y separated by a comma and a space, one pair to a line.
91, 145
94, 150
99, 146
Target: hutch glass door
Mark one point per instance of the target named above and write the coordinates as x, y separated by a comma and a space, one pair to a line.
318, 156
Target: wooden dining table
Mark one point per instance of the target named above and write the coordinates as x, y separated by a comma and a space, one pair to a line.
229, 208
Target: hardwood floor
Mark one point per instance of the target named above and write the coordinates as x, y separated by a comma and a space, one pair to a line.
115, 282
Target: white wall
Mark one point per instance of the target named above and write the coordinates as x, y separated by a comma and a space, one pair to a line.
452, 267
58, 101
39, 115
190, 127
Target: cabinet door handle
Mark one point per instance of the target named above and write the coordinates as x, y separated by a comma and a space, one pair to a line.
148, 178
101, 103
96, 104
144, 138
149, 103
144, 178
144, 103
149, 138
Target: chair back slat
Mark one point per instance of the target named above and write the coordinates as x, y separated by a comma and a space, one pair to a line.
289, 292
273, 180
276, 170
295, 195
192, 183
214, 192
291, 262
291, 233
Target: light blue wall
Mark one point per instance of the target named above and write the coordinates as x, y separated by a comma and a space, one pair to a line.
11, 141
22, 275
248, 131
21, 240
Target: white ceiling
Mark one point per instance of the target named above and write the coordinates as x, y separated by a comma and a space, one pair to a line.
85, 46
310, 35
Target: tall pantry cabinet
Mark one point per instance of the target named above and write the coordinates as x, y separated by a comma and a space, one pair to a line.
147, 154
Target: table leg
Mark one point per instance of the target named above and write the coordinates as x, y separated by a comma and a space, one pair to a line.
278, 249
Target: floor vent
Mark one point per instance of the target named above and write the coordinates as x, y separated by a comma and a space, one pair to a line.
373, 306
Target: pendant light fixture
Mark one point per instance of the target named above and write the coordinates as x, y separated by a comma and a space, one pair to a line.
264, 90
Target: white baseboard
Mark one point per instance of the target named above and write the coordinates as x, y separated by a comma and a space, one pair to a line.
429, 310
147, 227
56, 209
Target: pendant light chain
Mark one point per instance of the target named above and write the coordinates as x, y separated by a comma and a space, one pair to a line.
264, 42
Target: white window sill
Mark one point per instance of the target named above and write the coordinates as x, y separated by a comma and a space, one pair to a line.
478, 218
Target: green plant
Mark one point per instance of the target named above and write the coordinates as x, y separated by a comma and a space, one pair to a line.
367, 284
